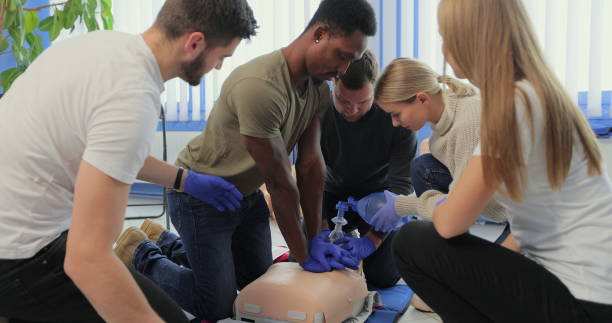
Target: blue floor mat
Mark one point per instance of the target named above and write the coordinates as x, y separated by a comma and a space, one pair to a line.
395, 302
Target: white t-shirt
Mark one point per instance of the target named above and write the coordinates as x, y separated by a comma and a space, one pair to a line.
94, 97
568, 231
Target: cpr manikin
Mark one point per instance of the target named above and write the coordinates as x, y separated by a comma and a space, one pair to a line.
287, 293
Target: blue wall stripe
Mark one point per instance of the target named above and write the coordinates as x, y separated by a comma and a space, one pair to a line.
183, 125
398, 30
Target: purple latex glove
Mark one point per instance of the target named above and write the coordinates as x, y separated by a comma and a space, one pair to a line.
213, 190
359, 248
386, 218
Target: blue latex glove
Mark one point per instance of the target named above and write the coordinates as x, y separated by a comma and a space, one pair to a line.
315, 266
386, 219
325, 256
213, 190
359, 248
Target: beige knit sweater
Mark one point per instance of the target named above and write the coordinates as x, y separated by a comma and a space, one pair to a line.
452, 142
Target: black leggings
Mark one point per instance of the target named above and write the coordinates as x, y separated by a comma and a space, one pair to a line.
38, 290
468, 279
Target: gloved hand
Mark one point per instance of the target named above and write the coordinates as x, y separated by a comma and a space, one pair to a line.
324, 234
325, 256
359, 248
315, 266
386, 219
213, 190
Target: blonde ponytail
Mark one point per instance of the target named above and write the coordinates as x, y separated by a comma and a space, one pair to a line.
457, 87
403, 78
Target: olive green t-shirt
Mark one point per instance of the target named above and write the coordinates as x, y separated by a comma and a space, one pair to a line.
257, 100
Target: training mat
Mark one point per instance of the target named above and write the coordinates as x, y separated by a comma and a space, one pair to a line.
395, 301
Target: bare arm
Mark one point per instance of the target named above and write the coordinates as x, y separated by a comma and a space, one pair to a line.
310, 169
159, 172
271, 159
99, 206
511, 244
464, 203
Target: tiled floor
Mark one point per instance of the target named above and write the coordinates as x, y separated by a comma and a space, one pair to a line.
489, 232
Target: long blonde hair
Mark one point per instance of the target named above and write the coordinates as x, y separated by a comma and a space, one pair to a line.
403, 78
493, 43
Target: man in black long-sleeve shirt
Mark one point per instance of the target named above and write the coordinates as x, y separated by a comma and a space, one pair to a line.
364, 154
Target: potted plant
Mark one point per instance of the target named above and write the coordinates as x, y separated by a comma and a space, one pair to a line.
21, 28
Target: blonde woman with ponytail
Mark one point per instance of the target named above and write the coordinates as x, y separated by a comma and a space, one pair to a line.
540, 160
414, 94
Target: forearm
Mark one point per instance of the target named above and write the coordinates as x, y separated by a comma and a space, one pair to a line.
99, 207
285, 201
310, 181
375, 239
512, 244
108, 285
161, 173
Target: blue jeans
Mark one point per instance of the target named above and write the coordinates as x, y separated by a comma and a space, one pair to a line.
224, 251
428, 173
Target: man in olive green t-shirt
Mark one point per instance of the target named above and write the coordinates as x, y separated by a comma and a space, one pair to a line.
266, 107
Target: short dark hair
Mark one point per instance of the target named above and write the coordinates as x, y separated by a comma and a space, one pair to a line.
220, 20
346, 16
360, 71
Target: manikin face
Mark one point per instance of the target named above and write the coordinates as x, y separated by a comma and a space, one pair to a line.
192, 72
412, 116
353, 104
331, 56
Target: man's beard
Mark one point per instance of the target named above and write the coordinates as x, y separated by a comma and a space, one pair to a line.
191, 70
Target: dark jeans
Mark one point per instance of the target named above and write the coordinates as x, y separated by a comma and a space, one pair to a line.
428, 173
225, 252
38, 290
379, 268
468, 279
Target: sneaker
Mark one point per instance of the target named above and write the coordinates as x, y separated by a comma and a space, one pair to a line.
131, 238
152, 229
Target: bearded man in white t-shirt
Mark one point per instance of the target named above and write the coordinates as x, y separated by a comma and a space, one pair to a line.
76, 129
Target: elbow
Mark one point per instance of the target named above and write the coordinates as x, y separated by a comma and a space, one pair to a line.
315, 164
445, 229
73, 266
79, 262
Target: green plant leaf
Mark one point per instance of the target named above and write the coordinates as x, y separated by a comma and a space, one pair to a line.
12, 5
106, 5
107, 21
72, 11
31, 21
46, 24
36, 46
17, 34
91, 22
56, 27
4, 44
10, 18
8, 77
92, 5
20, 54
